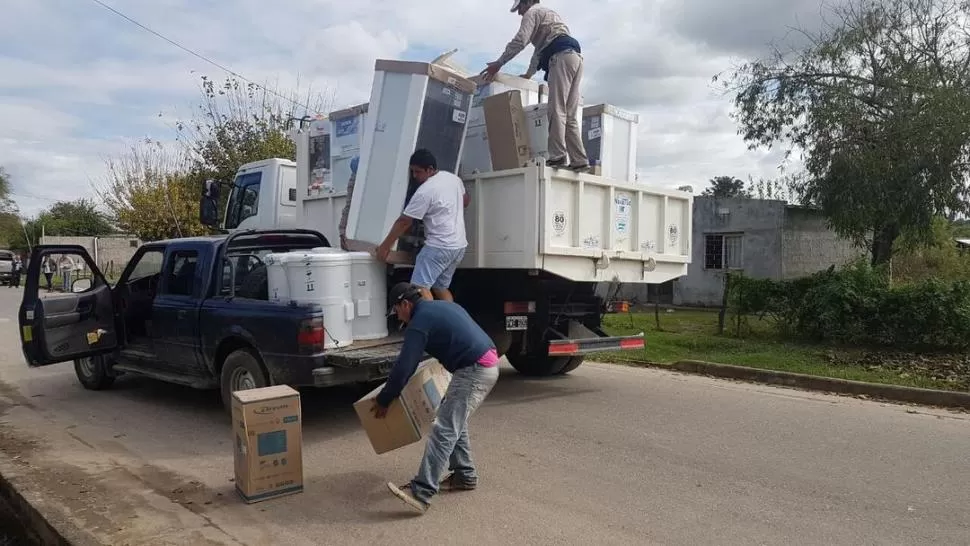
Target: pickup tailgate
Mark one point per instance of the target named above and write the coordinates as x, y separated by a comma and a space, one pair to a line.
380, 353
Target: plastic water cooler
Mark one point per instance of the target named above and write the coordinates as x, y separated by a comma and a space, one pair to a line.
279, 287
324, 278
370, 296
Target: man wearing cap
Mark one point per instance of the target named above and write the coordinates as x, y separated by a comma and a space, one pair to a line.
557, 54
439, 202
446, 332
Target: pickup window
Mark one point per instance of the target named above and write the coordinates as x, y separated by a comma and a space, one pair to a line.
181, 273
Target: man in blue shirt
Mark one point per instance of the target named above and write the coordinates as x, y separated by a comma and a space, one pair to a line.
446, 332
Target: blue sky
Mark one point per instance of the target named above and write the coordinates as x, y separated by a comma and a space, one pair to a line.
79, 83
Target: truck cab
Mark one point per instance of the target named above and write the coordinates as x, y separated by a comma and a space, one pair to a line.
263, 195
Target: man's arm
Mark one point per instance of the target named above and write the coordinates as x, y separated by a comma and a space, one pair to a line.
521, 39
407, 362
400, 227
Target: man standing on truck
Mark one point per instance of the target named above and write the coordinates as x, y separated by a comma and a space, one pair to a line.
447, 332
559, 55
439, 202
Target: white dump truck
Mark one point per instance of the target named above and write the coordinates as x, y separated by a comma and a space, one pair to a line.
540, 238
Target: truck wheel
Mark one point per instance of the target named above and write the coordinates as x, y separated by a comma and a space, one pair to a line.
240, 372
92, 372
574, 362
536, 365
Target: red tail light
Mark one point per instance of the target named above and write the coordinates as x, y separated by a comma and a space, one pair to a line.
311, 336
520, 307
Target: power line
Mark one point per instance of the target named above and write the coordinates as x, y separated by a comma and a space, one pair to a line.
198, 55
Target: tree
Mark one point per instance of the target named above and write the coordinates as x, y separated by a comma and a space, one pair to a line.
79, 218
9, 215
726, 187
153, 191
152, 194
239, 122
878, 103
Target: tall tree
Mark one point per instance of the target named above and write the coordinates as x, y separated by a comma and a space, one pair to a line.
879, 104
80, 218
725, 187
10, 226
153, 191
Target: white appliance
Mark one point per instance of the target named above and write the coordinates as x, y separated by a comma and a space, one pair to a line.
369, 278
346, 132
475, 155
537, 120
324, 279
412, 105
279, 286
610, 138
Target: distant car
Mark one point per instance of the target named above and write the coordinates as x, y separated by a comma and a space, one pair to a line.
6, 267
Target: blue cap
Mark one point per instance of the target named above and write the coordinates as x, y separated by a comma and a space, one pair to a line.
353, 164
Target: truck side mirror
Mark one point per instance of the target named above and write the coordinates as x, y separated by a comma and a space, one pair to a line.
209, 204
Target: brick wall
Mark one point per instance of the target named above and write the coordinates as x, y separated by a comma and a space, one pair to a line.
808, 245
111, 253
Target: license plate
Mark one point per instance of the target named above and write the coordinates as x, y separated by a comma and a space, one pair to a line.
517, 323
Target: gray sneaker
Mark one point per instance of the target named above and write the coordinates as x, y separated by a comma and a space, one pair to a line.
408, 497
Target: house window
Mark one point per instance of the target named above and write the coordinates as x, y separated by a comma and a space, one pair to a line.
722, 251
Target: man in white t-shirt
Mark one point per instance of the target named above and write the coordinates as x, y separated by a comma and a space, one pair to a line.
439, 202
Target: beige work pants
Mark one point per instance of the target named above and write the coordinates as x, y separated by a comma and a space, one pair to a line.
565, 139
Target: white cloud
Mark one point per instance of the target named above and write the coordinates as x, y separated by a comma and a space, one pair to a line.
79, 80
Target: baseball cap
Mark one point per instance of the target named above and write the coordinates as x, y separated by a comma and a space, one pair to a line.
400, 292
515, 5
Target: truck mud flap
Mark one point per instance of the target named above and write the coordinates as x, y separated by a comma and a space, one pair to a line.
583, 341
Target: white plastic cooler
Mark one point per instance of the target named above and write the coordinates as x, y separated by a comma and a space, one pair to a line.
324, 279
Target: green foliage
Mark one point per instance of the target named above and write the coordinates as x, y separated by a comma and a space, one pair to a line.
79, 218
878, 103
856, 305
726, 187
918, 260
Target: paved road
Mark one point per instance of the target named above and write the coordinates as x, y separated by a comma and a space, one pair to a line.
610, 455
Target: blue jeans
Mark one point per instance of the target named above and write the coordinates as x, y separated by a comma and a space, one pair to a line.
448, 441
434, 267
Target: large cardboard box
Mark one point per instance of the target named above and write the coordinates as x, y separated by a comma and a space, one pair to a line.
409, 417
268, 440
508, 137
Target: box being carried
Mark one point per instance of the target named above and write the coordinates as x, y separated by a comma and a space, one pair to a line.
409, 417
268, 442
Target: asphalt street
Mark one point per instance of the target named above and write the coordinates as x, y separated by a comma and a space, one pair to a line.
607, 455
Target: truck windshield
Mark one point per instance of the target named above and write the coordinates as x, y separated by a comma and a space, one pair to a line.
244, 199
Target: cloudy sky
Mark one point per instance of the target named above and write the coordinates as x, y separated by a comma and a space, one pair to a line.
78, 83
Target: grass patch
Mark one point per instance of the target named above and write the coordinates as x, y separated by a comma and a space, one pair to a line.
692, 335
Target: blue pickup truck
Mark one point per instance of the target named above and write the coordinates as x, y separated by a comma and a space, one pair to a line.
192, 311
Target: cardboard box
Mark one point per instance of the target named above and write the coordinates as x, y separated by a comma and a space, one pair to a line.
268, 441
508, 137
409, 418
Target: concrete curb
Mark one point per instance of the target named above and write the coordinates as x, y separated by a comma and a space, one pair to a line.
34, 525
927, 397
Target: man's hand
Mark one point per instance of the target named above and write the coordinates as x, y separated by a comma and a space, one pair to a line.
382, 251
343, 242
378, 410
490, 70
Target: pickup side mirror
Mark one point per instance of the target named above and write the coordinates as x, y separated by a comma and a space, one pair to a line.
209, 204
81, 285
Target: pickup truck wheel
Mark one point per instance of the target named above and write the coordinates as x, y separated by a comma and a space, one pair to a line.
92, 372
536, 365
240, 372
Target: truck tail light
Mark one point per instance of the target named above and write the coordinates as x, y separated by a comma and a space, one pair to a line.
311, 336
520, 307
618, 307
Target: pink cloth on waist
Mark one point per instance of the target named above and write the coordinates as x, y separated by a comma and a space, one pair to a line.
489, 359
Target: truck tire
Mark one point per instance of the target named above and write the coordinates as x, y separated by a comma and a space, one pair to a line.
92, 372
536, 365
241, 371
574, 362
255, 286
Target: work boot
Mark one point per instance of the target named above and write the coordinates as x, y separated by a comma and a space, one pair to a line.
407, 495
580, 168
556, 163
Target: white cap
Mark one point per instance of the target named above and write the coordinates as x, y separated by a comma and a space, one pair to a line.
515, 5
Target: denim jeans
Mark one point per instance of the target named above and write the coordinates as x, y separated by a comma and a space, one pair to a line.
448, 441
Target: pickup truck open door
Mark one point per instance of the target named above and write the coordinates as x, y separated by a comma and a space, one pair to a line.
66, 325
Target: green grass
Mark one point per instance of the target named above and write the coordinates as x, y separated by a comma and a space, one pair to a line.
692, 335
